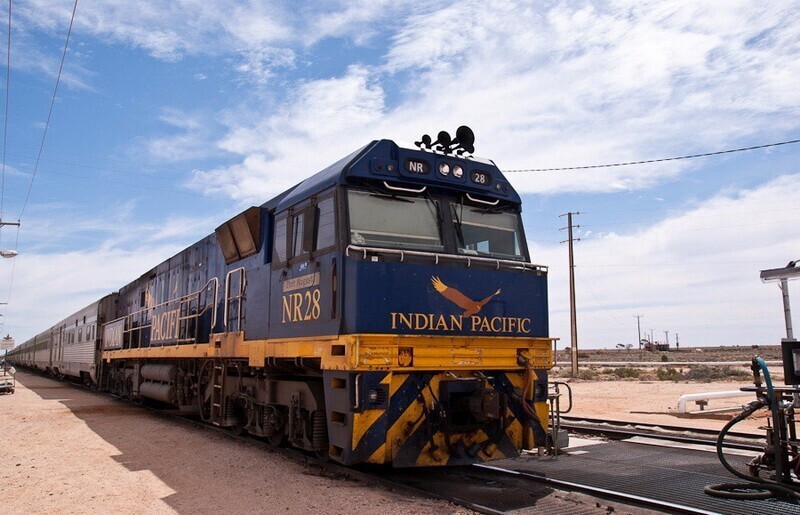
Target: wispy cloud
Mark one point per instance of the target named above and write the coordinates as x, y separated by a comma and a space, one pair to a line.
279, 149
260, 65
71, 258
194, 139
565, 85
695, 273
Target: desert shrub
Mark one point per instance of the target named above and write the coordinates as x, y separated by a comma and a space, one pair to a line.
583, 355
627, 372
664, 358
707, 374
587, 374
668, 374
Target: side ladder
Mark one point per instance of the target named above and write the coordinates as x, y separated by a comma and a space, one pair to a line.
218, 392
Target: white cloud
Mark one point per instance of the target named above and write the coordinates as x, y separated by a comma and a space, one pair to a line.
574, 84
259, 65
45, 290
68, 259
193, 141
282, 148
695, 273
261, 33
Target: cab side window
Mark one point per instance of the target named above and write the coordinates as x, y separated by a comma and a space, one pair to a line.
280, 241
305, 230
326, 224
298, 222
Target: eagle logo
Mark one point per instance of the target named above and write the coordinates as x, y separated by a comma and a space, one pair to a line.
470, 307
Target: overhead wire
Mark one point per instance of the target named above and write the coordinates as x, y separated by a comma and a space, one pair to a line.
96, 157
122, 172
659, 265
5, 121
659, 160
44, 136
50, 111
141, 186
596, 297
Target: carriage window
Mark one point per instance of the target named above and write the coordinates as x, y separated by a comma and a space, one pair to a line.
393, 221
326, 224
280, 241
487, 233
297, 234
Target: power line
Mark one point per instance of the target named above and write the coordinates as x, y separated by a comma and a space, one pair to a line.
596, 297
5, 119
142, 186
734, 214
660, 160
50, 112
96, 157
659, 265
123, 172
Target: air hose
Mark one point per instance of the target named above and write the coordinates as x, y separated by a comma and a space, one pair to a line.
764, 488
539, 431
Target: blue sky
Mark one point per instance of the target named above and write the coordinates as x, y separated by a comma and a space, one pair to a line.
174, 115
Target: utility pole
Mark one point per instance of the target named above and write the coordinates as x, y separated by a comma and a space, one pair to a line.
652, 338
639, 329
677, 342
572, 313
666, 337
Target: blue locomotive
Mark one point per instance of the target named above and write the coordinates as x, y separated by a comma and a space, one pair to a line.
384, 310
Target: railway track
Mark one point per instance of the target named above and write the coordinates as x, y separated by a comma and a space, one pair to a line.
625, 429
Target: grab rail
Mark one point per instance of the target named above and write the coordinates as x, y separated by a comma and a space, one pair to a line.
437, 257
142, 317
407, 190
479, 201
238, 297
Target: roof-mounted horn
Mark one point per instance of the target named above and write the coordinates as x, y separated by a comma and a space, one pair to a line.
463, 143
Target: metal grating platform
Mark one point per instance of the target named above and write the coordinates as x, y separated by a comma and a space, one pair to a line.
665, 473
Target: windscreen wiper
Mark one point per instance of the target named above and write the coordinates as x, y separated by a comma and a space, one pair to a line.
391, 197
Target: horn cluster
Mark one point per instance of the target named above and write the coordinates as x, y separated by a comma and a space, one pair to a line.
463, 143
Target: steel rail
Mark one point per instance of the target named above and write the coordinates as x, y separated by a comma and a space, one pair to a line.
604, 493
669, 433
654, 426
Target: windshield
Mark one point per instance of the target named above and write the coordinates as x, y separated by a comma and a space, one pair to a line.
482, 232
398, 222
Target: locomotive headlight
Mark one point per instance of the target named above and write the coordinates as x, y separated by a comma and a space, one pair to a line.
444, 168
458, 172
372, 396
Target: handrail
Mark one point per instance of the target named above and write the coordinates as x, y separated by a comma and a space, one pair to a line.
188, 298
457, 257
179, 299
228, 298
407, 190
479, 201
